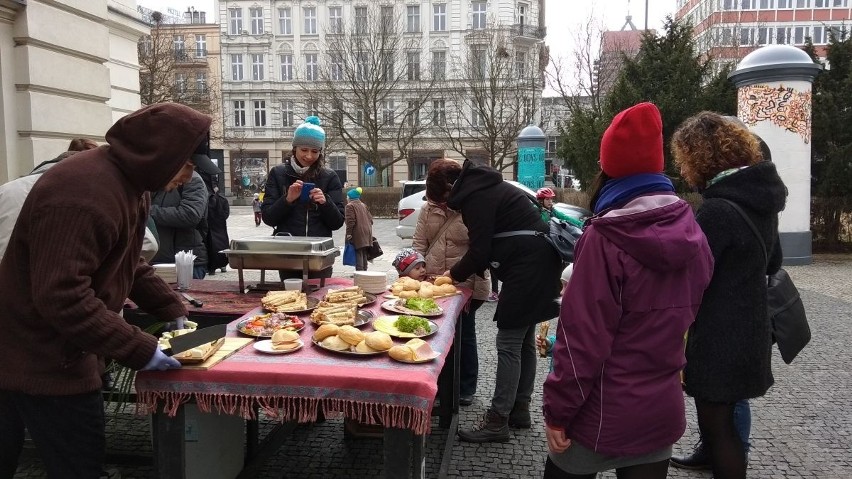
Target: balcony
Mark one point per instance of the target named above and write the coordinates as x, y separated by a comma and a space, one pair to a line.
191, 56
529, 31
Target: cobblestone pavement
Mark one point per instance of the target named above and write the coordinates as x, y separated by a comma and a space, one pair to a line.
801, 429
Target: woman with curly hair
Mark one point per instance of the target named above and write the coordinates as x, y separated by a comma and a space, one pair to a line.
728, 349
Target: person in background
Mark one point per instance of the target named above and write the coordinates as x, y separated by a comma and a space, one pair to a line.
699, 458
545, 342
255, 206
181, 217
614, 398
13, 193
529, 269
61, 300
317, 212
359, 227
441, 237
545, 203
409, 262
729, 349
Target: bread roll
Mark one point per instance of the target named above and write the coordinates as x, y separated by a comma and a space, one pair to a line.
401, 353
407, 294
362, 347
410, 284
285, 346
325, 331
335, 343
396, 289
350, 334
284, 336
443, 280
446, 289
378, 340
426, 290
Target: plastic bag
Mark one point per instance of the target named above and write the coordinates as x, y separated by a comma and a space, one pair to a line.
348, 254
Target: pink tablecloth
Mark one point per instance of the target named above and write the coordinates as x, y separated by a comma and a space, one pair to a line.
295, 386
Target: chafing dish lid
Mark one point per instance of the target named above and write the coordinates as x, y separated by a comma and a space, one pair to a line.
283, 244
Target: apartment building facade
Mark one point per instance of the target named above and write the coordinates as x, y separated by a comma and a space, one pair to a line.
274, 53
727, 30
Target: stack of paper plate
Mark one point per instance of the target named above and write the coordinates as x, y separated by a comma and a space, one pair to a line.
167, 271
374, 282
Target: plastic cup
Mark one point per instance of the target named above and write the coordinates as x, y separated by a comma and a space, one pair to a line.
292, 284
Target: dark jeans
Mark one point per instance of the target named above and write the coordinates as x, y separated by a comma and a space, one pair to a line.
516, 357
639, 471
68, 432
361, 258
469, 355
199, 272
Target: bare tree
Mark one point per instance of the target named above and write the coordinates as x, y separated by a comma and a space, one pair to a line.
498, 85
370, 89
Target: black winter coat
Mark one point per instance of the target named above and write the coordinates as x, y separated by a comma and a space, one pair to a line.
302, 219
729, 348
181, 219
527, 265
218, 211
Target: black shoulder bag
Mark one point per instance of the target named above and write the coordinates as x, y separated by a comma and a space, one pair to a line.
790, 327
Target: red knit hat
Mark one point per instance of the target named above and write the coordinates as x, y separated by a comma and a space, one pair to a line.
633, 143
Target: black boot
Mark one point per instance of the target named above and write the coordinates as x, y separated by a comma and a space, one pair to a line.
494, 428
699, 459
520, 415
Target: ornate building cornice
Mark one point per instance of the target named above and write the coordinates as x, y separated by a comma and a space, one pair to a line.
9, 9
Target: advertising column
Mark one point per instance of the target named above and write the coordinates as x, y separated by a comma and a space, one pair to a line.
774, 100
531, 144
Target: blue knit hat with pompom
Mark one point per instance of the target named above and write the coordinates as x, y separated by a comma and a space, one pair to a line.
309, 134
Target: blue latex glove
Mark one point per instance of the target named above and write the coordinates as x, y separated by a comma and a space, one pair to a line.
160, 362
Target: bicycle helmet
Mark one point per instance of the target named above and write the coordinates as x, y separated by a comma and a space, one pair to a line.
543, 193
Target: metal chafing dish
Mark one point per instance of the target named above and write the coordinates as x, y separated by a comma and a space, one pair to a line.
307, 254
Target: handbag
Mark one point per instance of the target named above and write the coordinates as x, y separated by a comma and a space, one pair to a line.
348, 254
374, 250
785, 309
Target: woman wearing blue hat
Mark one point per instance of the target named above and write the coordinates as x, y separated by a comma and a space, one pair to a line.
303, 197
359, 228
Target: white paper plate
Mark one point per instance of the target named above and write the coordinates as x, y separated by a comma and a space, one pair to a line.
266, 347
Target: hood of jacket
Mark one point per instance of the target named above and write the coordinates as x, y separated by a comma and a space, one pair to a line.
472, 179
658, 230
151, 145
758, 187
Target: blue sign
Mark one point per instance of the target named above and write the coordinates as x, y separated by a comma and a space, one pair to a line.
531, 166
369, 169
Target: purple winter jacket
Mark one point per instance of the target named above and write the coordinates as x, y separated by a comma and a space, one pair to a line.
639, 276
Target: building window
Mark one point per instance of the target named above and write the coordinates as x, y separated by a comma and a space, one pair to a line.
257, 67
200, 46
335, 19
235, 21
286, 66
313, 108
478, 17
413, 18
388, 113
287, 112
413, 65
439, 17
748, 4
259, 113
361, 20
413, 115
799, 34
782, 36
439, 65
388, 67
767, 4
239, 113
439, 112
818, 36
180, 83
523, 8
476, 117
311, 67
310, 14
201, 82
285, 21
336, 60
362, 62
729, 5
803, 3
785, 3
479, 61
180, 48
256, 20
520, 64
237, 66
763, 35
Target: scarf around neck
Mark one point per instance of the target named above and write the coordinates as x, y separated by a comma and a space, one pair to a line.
619, 191
300, 170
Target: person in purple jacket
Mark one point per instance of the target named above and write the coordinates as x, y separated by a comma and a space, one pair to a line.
614, 398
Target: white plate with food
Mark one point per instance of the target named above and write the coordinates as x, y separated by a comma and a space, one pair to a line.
267, 347
351, 294
405, 326
309, 305
414, 306
348, 351
415, 351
